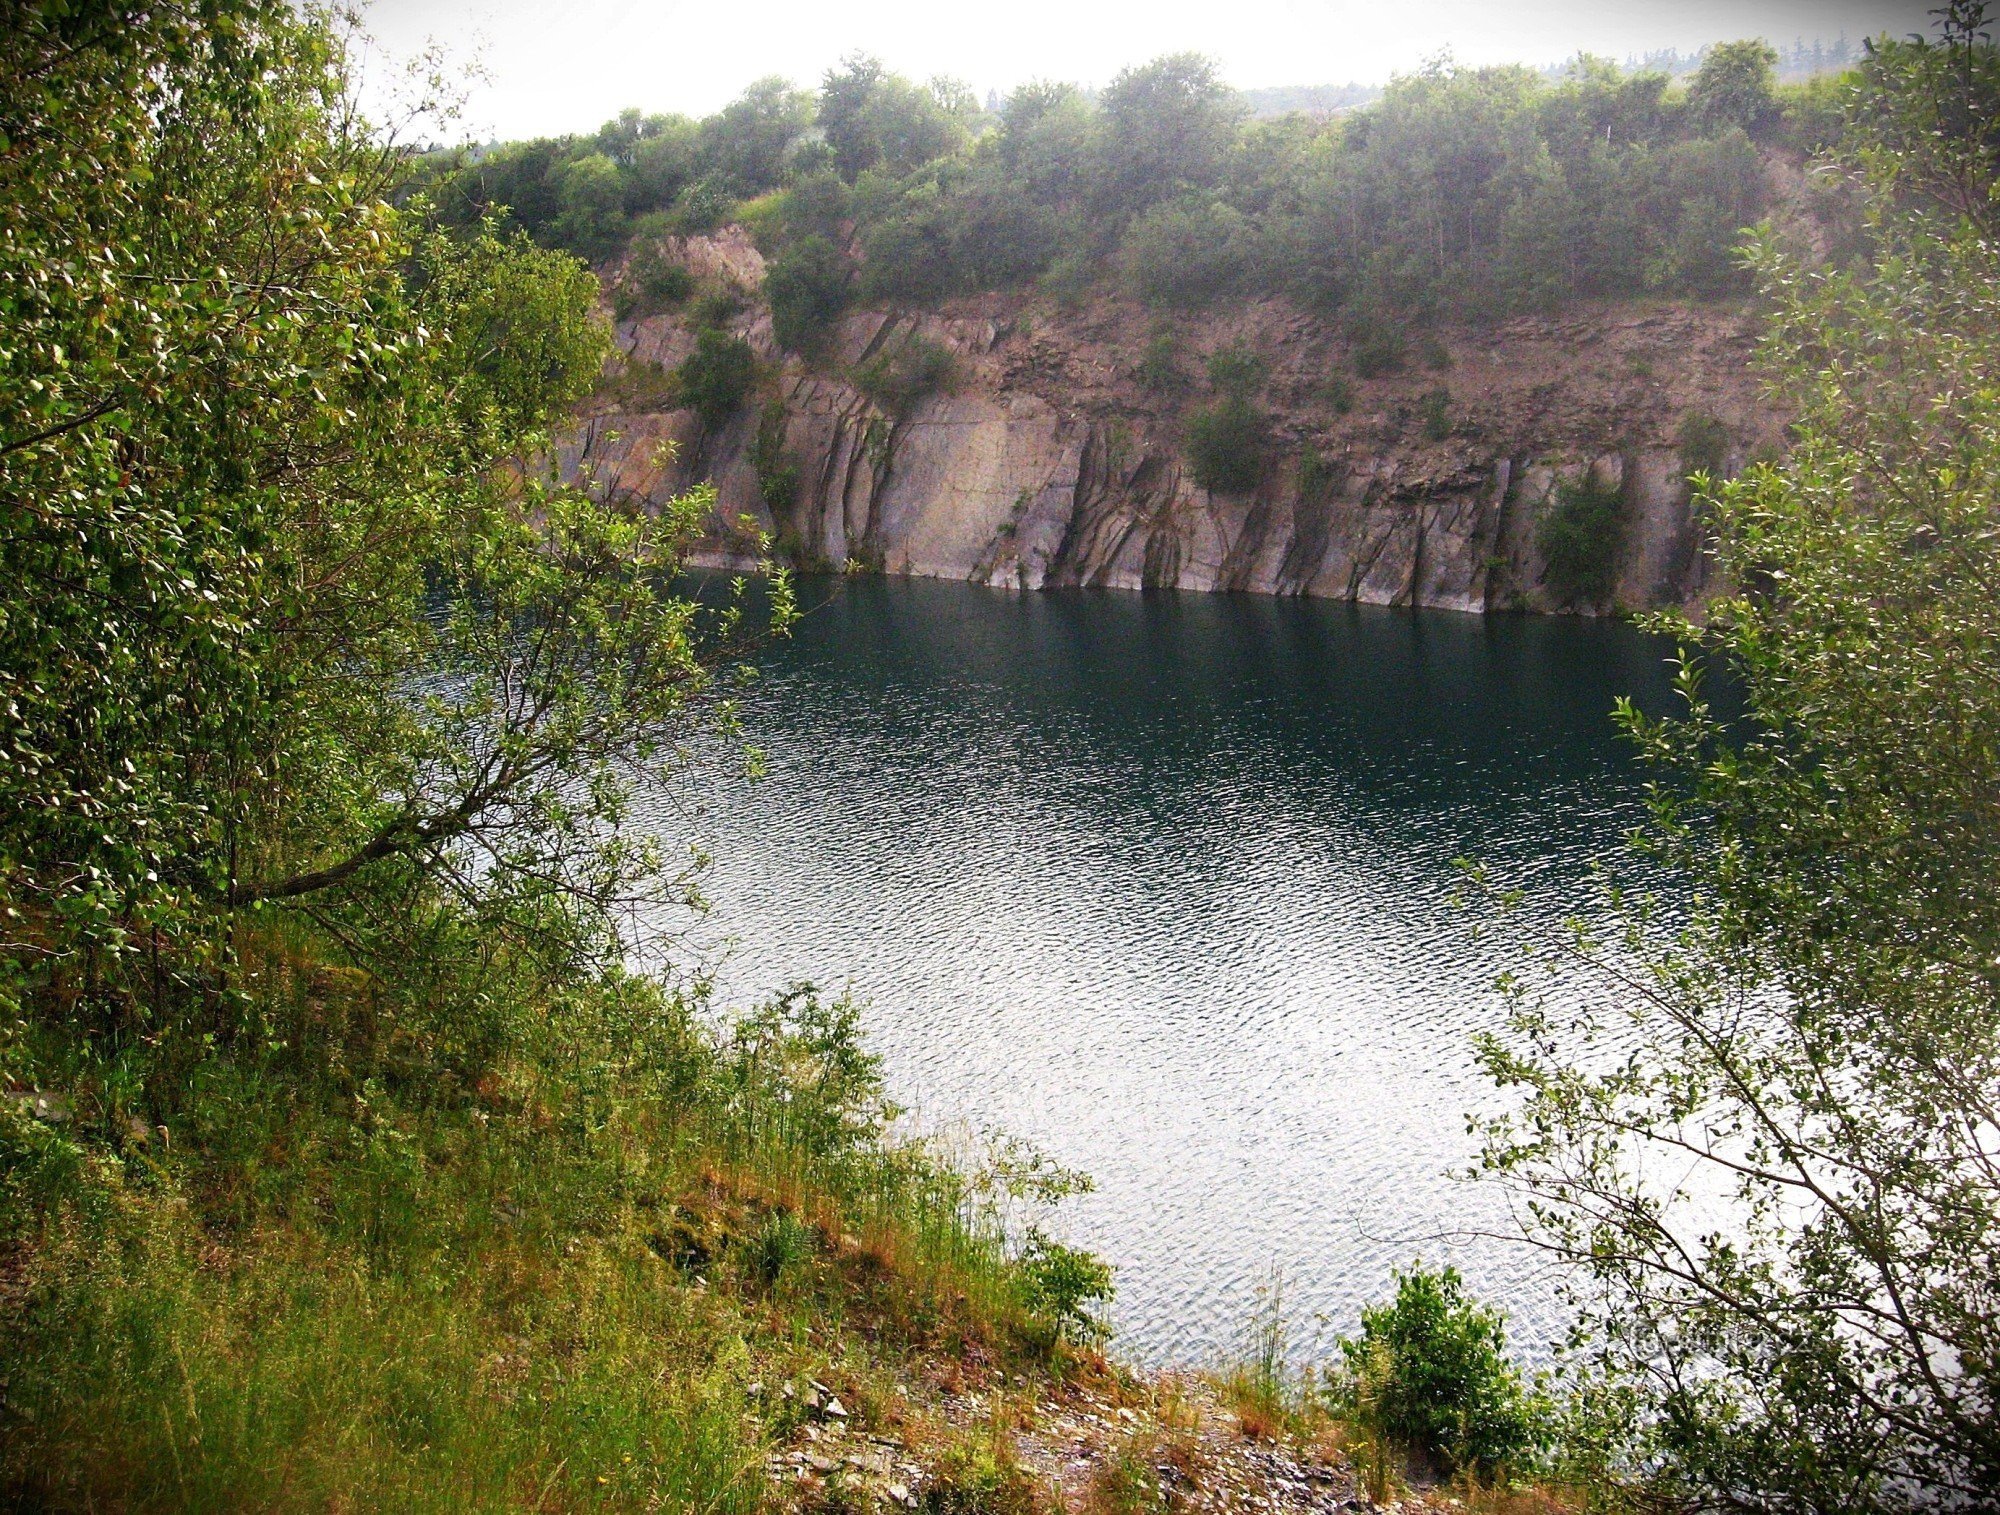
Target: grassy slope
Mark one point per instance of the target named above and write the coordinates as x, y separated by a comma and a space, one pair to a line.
359, 1269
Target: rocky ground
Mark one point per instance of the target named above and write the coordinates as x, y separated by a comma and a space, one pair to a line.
1109, 1445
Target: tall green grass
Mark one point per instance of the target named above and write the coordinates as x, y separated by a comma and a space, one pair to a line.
368, 1260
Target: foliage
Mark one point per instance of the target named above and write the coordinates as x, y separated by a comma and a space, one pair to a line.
1185, 253
1060, 1284
1434, 410
1237, 372
1803, 1315
1467, 191
1379, 349
358, 1171
777, 474
1704, 445
1167, 124
1226, 445
1581, 537
897, 378
873, 119
1159, 367
807, 286
653, 282
716, 378
1429, 1372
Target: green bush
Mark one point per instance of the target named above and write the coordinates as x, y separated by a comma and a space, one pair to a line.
1226, 446
807, 285
897, 380
1159, 367
1435, 412
1186, 253
1379, 350
1582, 536
715, 378
1318, 477
777, 474
1704, 445
652, 283
1237, 372
1060, 1284
1429, 1373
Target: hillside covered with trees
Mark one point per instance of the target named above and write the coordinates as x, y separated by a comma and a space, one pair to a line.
1460, 192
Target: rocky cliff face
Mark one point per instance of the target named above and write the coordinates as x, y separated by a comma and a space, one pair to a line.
1045, 460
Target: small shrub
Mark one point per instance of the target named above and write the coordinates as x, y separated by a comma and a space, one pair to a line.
1068, 278
1062, 1284
777, 474
807, 285
1434, 410
1237, 372
783, 1245
1704, 445
653, 282
718, 305
1185, 253
716, 377
970, 1479
1318, 477
897, 380
1582, 536
1338, 395
1379, 350
1159, 367
1429, 1373
1435, 355
1226, 446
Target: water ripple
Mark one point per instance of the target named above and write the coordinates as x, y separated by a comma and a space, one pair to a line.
1164, 884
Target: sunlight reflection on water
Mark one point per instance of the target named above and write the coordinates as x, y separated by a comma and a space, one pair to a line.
1164, 884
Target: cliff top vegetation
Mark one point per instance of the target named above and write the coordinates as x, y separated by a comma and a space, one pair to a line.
1460, 191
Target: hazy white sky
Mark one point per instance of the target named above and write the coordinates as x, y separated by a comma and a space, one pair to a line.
566, 65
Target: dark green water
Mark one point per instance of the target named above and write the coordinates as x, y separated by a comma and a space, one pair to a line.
1164, 883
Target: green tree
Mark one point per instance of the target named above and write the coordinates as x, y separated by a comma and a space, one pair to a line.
745, 146
291, 619
1736, 85
590, 195
1166, 126
1767, 1140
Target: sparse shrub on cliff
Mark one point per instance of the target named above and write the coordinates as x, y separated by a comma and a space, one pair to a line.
1318, 477
719, 303
1338, 394
715, 379
898, 379
1704, 445
777, 474
1159, 367
1581, 535
807, 285
1434, 412
1379, 349
653, 282
1429, 1373
1226, 444
1237, 372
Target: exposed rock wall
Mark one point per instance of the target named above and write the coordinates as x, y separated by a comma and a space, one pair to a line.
1047, 462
